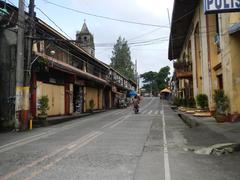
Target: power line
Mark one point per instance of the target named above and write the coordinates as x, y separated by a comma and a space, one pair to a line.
53, 22
105, 17
144, 34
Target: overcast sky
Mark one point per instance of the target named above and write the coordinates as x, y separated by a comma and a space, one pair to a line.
151, 55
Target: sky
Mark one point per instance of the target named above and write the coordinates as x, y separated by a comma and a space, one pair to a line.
150, 43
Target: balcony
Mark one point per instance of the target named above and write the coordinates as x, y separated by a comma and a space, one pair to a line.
183, 69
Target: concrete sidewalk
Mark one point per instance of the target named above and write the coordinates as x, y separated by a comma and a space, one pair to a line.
230, 130
61, 119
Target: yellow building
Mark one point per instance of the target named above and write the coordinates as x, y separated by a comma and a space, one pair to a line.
214, 41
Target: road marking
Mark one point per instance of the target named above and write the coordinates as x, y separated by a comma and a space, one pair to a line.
41, 159
72, 146
119, 112
18, 141
147, 105
45, 134
24, 141
165, 145
114, 125
144, 112
156, 112
150, 112
109, 124
51, 163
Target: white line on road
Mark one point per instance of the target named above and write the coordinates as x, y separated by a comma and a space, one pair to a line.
150, 112
113, 122
165, 145
156, 112
114, 125
79, 141
18, 141
51, 163
144, 112
45, 134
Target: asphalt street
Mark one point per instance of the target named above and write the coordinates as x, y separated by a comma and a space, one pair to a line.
117, 145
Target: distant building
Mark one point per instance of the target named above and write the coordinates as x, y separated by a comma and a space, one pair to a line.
85, 40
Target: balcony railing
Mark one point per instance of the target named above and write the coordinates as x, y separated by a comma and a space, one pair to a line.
183, 69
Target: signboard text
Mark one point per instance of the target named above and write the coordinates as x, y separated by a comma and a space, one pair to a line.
218, 6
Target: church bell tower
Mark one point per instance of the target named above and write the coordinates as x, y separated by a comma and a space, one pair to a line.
85, 40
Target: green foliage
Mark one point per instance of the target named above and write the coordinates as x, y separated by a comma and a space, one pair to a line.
221, 101
156, 81
202, 101
191, 102
43, 105
121, 58
149, 77
177, 101
162, 77
91, 104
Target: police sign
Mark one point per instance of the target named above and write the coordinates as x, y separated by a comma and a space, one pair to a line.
218, 6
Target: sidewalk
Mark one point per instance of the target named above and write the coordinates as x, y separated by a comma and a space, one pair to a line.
60, 119
227, 129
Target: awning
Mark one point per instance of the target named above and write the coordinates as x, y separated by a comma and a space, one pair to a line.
71, 69
132, 93
166, 90
234, 28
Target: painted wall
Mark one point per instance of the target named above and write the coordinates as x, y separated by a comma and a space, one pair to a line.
230, 60
55, 95
95, 94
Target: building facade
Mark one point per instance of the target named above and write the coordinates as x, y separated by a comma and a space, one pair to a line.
63, 70
211, 43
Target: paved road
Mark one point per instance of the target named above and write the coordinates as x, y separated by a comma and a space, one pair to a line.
116, 145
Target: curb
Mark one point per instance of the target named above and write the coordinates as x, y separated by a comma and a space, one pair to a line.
190, 121
57, 120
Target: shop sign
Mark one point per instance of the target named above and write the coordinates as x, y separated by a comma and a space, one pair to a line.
220, 6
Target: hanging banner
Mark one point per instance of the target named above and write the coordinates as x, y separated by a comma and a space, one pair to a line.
220, 6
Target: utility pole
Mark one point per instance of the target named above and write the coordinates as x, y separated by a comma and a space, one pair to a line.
23, 65
20, 66
27, 63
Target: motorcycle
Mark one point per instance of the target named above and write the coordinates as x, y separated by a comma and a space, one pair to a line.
136, 109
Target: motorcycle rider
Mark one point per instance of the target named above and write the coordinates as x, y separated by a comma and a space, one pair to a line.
136, 103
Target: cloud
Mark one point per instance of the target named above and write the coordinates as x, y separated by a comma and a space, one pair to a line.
151, 57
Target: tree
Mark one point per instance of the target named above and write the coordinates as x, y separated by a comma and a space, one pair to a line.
162, 77
154, 82
149, 80
121, 58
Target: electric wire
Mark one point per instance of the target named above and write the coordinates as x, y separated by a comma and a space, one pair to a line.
53, 22
105, 17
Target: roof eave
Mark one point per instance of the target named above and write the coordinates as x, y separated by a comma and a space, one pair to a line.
183, 12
